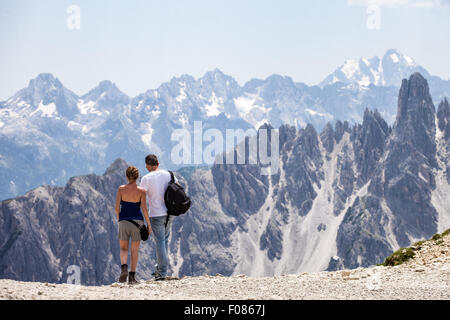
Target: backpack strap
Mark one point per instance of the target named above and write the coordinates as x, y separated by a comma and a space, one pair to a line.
172, 177
137, 225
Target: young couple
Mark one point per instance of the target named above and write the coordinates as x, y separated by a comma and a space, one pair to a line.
131, 204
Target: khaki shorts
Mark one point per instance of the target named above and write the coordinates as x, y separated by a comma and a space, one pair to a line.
128, 230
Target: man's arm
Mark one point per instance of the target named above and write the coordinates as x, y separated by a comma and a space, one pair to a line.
143, 185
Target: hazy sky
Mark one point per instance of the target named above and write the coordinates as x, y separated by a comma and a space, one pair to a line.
140, 44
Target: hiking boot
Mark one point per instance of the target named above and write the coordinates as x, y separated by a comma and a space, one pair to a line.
131, 278
159, 277
124, 274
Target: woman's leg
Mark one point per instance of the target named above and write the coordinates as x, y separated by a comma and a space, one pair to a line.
123, 260
123, 251
134, 255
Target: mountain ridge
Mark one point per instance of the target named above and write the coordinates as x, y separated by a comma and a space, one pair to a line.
60, 134
345, 197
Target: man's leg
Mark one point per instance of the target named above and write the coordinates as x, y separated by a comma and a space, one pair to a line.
167, 235
159, 232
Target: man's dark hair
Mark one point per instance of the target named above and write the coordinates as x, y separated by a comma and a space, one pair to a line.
151, 160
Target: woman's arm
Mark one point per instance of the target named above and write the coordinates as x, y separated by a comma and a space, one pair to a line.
118, 198
145, 210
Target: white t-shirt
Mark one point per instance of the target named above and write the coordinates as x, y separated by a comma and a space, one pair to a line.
155, 183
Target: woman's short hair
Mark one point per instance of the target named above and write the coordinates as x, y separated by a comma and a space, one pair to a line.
132, 173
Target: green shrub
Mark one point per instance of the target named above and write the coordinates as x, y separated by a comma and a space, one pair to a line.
418, 243
398, 257
437, 236
404, 254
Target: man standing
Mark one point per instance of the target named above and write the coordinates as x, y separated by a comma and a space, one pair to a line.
155, 183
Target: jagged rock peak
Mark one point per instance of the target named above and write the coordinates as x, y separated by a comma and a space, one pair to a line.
46, 89
279, 80
105, 85
308, 139
44, 81
219, 80
327, 137
215, 74
443, 111
395, 56
266, 125
415, 123
371, 114
118, 165
44, 85
341, 129
443, 116
414, 101
444, 104
374, 117
287, 133
106, 89
182, 79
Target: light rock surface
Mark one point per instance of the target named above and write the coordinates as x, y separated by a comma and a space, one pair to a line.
426, 276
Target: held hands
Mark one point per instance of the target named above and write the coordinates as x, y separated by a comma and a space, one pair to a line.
149, 228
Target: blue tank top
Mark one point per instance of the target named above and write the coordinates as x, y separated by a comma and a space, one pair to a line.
130, 211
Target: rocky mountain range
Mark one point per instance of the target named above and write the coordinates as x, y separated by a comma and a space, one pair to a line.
49, 134
387, 71
344, 197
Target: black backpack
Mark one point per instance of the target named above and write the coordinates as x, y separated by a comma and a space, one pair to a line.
177, 202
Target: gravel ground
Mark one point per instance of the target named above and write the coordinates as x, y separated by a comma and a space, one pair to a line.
427, 276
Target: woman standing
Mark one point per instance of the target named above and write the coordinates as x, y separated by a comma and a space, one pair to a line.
130, 204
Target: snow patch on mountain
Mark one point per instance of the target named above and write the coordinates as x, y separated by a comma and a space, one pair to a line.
21, 103
245, 104
182, 96
215, 107
349, 68
156, 111
395, 58
251, 108
88, 107
317, 113
376, 71
48, 110
409, 60
146, 137
76, 126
